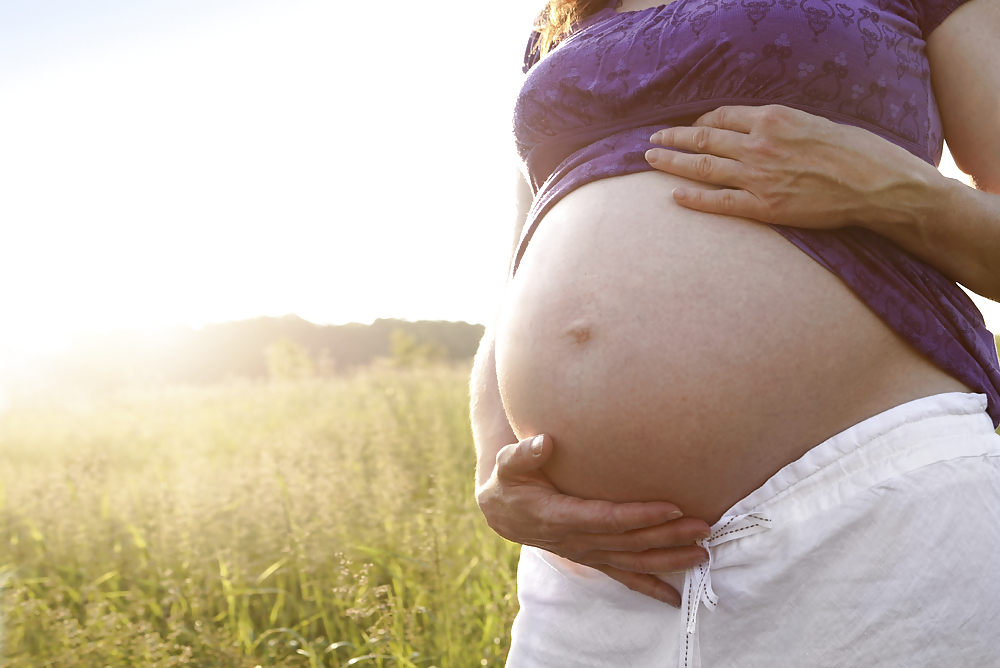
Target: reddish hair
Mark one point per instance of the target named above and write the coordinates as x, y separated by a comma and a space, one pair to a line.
559, 16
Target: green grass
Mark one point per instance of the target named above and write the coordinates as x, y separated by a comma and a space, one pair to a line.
323, 523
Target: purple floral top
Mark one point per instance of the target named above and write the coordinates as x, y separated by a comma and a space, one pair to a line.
587, 109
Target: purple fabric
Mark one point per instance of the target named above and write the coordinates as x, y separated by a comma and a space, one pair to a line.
587, 109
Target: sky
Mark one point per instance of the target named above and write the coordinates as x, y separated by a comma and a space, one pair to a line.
183, 162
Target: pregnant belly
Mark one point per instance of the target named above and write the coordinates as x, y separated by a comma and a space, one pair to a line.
687, 357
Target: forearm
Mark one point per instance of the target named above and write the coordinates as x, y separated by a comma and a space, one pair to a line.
490, 428
949, 225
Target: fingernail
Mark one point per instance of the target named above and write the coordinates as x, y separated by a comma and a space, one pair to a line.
679, 194
655, 139
536, 445
703, 535
673, 603
704, 558
651, 156
674, 515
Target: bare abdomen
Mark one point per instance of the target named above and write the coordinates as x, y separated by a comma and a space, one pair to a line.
686, 357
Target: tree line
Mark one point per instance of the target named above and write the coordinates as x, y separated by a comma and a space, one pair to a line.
261, 348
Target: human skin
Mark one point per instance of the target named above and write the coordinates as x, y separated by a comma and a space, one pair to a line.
674, 354
950, 226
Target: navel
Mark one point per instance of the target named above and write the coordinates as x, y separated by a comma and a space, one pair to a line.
580, 332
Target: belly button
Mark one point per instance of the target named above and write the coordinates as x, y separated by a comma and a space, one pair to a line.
580, 333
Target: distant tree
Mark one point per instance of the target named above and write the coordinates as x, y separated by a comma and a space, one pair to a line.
404, 350
281, 348
287, 360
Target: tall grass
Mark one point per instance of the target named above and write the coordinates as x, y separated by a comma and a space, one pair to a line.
321, 523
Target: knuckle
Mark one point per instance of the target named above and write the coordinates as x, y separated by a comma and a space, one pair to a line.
637, 563
610, 522
512, 456
486, 499
771, 111
728, 200
703, 166
638, 544
768, 204
768, 117
774, 114
701, 138
483, 501
633, 543
504, 459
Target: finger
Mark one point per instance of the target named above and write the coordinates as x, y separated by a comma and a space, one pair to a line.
668, 560
582, 515
723, 143
669, 534
523, 457
650, 585
698, 166
738, 119
727, 202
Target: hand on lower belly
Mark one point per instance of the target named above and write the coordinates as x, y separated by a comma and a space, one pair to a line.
627, 541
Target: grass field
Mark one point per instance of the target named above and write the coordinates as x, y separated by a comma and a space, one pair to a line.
322, 523
318, 523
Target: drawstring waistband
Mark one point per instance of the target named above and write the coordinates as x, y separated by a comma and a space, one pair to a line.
698, 580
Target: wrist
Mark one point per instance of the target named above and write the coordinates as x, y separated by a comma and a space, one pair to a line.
912, 210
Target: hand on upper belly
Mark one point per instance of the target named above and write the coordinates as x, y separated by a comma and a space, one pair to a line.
789, 167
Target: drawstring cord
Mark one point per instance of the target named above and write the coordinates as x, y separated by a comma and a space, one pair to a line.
698, 580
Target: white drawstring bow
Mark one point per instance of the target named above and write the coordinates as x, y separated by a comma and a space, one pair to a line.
698, 580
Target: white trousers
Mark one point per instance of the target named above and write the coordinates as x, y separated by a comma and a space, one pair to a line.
879, 547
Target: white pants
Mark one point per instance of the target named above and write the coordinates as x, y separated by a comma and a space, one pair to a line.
879, 547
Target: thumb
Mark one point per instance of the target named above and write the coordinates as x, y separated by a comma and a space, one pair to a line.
524, 457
